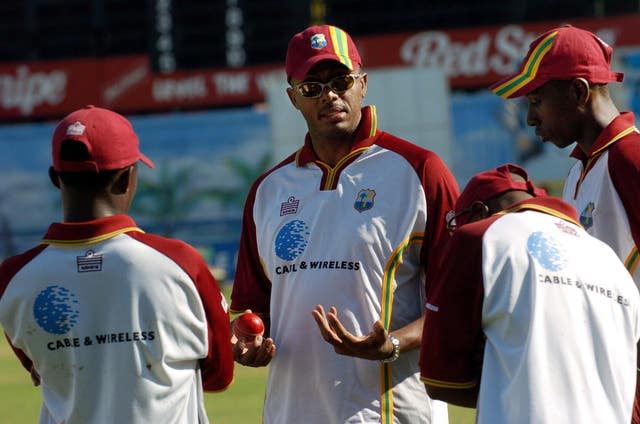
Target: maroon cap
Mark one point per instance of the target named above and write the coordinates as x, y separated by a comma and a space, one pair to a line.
108, 136
316, 43
489, 184
560, 54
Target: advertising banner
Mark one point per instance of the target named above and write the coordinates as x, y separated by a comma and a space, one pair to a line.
471, 58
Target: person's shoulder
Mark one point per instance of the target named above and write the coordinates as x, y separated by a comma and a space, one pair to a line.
474, 230
180, 254
158, 240
401, 145
623, 161
626, 150
13, 264
21, 259
25, 256
496, 232
286, 161
417, 155
177, 250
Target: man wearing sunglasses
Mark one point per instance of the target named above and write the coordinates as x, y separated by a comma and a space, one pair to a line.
342, 232
531, 319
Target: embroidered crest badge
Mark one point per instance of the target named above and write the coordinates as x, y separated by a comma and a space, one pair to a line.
76, 128
586, 217
364, 200
318, 41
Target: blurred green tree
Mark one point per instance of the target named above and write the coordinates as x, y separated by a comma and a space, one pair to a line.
175, 193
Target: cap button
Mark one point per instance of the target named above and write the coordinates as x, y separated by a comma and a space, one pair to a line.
89, 106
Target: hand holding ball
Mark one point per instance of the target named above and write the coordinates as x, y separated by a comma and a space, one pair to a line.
248, 326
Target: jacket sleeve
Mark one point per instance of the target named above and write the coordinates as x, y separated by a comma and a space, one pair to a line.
452, 334
217, 367
251, 286
8, 269
624, 168
442, 191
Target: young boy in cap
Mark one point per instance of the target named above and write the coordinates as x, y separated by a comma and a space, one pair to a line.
343, 231
116, 325
530, 319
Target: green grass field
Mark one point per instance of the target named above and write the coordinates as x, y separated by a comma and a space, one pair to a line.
240, 404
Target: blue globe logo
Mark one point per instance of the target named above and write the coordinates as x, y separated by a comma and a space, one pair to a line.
55, 310
547, 251
292, 239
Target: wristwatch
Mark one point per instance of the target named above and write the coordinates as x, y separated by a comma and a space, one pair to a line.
395, 353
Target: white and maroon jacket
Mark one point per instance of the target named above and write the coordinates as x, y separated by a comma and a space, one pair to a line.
604, 187
122, 326
559, 311
359, 236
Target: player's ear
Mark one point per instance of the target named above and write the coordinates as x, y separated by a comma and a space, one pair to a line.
579, 91
54, 177
124, 180
363, 81
479, 210
292, 97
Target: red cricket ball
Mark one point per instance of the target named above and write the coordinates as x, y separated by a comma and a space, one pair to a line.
248, 326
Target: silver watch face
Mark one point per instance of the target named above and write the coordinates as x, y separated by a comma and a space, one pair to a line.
396, 349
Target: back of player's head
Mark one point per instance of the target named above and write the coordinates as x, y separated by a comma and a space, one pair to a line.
76, 151
318, 43
487, 185
94, 140
561, 53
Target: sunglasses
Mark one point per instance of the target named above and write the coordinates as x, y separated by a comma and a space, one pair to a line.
451, 223
339, 84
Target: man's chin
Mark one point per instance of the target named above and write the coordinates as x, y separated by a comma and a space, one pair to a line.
561, 144
337, 130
